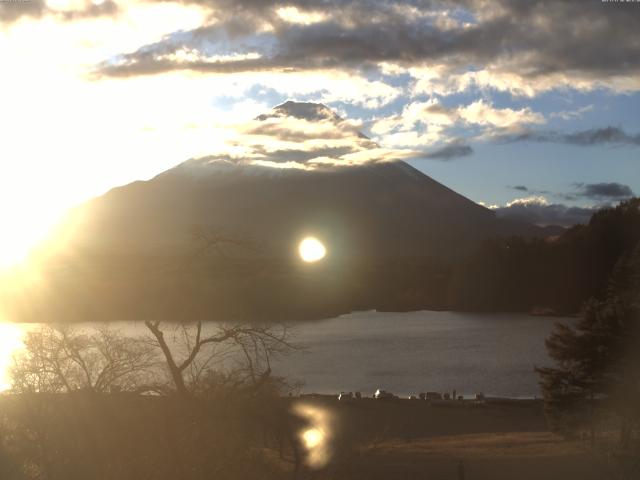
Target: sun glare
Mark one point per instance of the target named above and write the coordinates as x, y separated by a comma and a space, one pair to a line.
312, 437
311, 250
23, 236
10, 343
316, 437
12, 252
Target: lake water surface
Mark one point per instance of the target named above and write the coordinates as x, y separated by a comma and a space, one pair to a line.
400, 352
420, 351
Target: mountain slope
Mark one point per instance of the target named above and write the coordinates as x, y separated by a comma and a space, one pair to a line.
384, 210
388, 229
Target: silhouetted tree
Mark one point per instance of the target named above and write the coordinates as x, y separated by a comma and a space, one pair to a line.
242, 352
597, 362
193, 354
62, 358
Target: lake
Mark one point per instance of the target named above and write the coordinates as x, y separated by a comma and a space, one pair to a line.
399, 352
419, 351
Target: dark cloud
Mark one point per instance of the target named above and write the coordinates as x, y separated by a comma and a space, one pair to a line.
521, 188
11, 11
449, 152
604, 191
585, 138
543, 214
303, 110
533, 38
602, 135
299, 155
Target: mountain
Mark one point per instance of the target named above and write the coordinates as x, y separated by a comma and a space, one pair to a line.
386, 209
390, 231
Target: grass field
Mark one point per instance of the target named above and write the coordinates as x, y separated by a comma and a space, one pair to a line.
411, 440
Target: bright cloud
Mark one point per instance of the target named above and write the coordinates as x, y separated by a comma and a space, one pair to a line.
482, 113
429, 122
532, 200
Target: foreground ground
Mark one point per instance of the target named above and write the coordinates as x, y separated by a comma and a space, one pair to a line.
82, 436
411, 440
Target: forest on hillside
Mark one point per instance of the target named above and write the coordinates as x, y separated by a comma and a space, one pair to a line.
552, 275
232, 280
555, 275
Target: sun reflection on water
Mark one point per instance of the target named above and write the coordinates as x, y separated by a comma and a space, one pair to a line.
316, 436
312, 437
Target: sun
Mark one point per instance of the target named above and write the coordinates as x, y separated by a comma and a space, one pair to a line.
311, 250
28, 223
19, 241
13, 251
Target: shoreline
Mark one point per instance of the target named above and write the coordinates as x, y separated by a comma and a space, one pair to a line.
466, 400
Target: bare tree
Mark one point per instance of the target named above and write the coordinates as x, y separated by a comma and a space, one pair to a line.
239, 352
242, 352
63, 359
218, 241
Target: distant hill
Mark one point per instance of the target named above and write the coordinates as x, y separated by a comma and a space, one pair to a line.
131, 253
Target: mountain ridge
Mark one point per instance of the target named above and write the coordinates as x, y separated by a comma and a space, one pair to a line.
388, 228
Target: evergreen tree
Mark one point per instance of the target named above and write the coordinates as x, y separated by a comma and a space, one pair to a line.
597, 361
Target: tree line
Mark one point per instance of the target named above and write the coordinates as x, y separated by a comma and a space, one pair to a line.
554, 275
593, 389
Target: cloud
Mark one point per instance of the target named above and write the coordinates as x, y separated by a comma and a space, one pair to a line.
521, 188
425, 124
450, 151
482, 113
10, 11
572, 114
308, 136
302, 110
603, 135
585, 138
537, 210
604, 191
429, 113
479, 112
516, 46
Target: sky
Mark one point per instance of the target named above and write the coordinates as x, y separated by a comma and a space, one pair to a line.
530, 108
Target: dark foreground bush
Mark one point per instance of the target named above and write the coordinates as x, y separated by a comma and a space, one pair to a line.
84, 435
